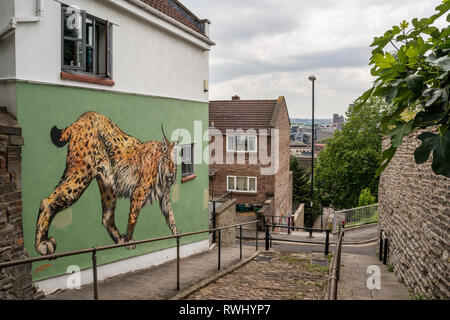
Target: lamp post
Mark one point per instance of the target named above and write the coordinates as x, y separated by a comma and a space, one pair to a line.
312, 78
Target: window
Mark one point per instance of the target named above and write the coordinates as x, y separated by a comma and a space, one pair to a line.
86, 43
241, 184
241, 143
187, 160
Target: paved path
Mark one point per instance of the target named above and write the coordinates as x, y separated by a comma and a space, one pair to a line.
159, 283
353, 235
352, 284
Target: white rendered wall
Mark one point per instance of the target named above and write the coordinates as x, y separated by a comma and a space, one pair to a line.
146, 59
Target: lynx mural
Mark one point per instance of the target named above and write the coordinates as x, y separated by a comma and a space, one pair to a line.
123, 167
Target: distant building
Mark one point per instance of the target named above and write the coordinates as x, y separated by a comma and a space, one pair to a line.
338, 121
325, 132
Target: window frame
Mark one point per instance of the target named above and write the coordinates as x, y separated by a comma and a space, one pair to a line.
247, 136
192, 165
248, 184
108, 46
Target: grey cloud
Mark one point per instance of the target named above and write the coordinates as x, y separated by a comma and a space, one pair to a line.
348, 57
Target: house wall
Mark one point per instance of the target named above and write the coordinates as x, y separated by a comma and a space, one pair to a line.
265, 183
40, 107
283, 178
158, 71
414, 210
149, 55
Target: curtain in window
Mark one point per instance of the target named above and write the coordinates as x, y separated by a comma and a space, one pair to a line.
241, 183
251, 184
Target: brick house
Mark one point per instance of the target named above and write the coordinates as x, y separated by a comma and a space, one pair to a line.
250, 130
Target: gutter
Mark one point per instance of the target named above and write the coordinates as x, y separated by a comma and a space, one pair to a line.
164, 17
13, 21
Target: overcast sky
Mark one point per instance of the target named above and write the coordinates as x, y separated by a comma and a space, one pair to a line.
268, 48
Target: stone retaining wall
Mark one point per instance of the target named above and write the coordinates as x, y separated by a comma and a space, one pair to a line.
414, 209
226, 216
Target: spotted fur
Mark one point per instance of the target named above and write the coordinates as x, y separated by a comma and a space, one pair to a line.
123, 167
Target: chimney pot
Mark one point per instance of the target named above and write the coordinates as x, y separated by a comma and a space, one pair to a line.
236, 97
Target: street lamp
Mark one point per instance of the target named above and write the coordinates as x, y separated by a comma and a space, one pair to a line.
312, 78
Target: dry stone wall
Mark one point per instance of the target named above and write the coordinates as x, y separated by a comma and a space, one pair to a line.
414, 209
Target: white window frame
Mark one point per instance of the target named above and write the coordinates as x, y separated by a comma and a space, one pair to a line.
248, 184
247, 136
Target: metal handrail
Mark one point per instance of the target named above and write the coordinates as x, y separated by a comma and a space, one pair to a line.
94, 251
269, 238
335, 267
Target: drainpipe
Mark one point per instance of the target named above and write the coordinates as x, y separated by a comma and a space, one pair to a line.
13, 21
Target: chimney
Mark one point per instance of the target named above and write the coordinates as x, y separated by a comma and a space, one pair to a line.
236, 97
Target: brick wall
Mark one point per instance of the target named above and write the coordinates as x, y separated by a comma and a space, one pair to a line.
15, 282
414, 209
283, 178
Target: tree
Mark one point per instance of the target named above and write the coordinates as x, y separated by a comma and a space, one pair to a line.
366, 198
414, 78
301, 191
350, 159
300, 183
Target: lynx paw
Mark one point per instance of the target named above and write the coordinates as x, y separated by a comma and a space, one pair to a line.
46, 247
130, 246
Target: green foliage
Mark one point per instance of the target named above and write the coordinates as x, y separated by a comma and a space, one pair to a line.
301, 191
350, 159
366, 198
301, 183
414, 78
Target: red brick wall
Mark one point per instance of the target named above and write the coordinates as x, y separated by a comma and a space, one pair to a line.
283, 181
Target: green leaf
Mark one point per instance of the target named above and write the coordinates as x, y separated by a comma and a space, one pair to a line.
415, 83
391, 94
434, 94
397, 134
440, 145
422, 153
412, 50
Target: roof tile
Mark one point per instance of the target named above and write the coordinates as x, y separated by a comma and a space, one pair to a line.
241, 114
165, 7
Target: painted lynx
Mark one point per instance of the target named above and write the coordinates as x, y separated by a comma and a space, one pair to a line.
123, 167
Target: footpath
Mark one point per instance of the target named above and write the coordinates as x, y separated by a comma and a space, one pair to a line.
160, 282
361, 235
360, 280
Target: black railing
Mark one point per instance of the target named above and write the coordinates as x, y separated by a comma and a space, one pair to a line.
269, 239
94, 251
384, 245
283, 222
335, 267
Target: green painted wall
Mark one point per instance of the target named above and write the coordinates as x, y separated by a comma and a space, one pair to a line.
39, 107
